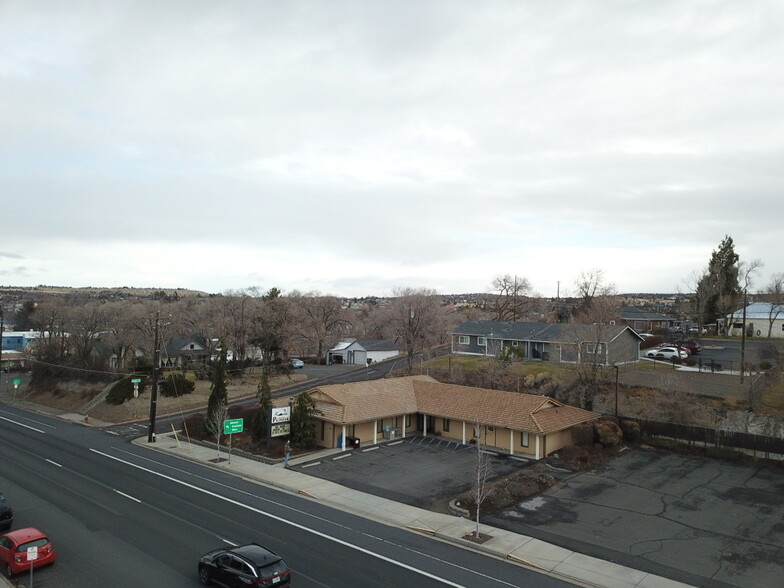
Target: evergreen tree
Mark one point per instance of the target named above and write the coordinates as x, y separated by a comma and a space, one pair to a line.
303, 423
720, 283
264, 397
219, 397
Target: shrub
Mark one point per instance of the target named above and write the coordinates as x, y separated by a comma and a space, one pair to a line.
122, 391
234, 411
195, 426
582, 435
608, 433
631, 431
176, 385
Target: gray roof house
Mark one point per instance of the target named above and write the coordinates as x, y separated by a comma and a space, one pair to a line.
363, 351
644, 321
559, 342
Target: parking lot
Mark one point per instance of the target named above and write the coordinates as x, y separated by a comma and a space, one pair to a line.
415, 470
719, 522
698, 520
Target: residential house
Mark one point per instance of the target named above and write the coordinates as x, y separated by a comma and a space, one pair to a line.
644, 321
182, 351
559, 342
375, 411
763, 319
362, 352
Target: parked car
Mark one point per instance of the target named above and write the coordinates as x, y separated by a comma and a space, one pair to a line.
297, 364
14, 547
6, 513
689, 345
245, 565
667, 353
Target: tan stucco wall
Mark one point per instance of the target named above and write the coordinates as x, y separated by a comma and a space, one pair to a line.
557, 440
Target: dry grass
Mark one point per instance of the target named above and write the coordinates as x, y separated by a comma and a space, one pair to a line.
74, 396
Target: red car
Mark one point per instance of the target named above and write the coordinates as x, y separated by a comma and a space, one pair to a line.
14, 547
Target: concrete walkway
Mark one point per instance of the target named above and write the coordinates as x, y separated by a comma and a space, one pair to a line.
527, 551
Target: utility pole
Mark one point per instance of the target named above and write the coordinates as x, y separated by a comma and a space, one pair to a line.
743, 339
154, 387
2, 326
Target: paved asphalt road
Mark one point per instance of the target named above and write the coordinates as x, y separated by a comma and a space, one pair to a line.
121, 516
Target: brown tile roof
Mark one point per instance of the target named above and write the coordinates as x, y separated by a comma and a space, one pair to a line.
376, 399
359, 402
522, 412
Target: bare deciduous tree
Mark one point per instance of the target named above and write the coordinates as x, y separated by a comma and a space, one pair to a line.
416, 318
322, 320
512, 297
774, 294
483, 472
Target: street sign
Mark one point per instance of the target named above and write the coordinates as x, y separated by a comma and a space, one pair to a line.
32, 553
232, 426
136, 381
17, 382
281, 415
280, 430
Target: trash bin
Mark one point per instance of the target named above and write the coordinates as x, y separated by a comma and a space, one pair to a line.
352, 442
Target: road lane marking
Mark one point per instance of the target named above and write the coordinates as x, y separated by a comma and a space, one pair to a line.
128, 496
23, 425
40, 423
54, 463
284, 521
319, 518
230, 542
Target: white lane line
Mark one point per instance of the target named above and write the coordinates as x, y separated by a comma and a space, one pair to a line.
229, 542
285, 521
128, 496
23, 425
54, 463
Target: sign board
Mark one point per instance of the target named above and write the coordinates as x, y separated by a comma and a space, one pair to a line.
136, 381
232, 426
17, 381
281, 415
280, 430
32, 553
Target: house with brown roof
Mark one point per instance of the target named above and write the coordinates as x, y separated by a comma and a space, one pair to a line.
378, 410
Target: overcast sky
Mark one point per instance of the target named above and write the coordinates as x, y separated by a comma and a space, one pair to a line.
354, 147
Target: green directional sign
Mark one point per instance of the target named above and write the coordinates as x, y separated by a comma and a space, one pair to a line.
136, 381
17, 381
232, 426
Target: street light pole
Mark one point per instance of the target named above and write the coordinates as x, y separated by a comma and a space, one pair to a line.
154, 387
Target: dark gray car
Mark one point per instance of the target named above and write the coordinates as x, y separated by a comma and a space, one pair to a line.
6, 513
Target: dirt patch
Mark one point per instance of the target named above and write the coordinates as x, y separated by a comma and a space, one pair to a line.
510, 490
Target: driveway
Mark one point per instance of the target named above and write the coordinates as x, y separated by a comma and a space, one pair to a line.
415, 470
695, 519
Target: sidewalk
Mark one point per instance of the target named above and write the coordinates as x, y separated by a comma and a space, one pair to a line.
527, 551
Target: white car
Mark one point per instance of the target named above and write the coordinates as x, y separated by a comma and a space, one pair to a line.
297, 364
667, 353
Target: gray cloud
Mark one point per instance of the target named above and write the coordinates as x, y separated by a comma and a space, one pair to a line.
437, 143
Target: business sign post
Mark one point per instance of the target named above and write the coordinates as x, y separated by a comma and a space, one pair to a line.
278, 423
230, 427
